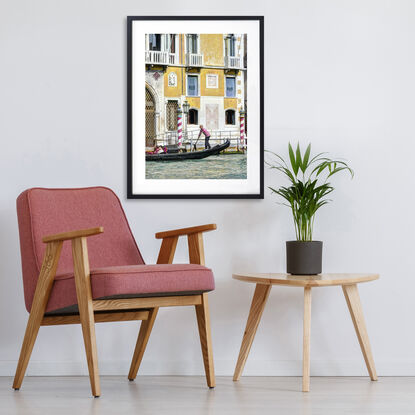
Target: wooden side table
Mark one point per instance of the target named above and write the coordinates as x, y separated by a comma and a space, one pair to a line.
264, 282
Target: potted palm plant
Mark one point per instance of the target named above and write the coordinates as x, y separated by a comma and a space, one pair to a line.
305, 195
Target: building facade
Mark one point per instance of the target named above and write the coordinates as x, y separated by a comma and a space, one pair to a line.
200, 77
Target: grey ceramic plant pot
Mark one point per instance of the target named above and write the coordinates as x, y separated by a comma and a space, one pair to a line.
304, 258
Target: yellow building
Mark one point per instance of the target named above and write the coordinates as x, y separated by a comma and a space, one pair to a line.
201, 76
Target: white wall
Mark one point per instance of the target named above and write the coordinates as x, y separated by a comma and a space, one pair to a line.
338, 73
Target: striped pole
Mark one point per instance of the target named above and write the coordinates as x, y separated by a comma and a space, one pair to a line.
179, 128
242, 128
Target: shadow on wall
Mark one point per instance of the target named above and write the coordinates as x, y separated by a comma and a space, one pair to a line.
11, 304
252, 238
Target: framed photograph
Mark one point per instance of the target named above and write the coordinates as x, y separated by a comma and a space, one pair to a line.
195, 107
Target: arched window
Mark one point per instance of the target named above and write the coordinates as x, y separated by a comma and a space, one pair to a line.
193, 116
150, 119
230, 117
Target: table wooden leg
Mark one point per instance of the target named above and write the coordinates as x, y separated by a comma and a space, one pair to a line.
255, 313
306, 339
351, 294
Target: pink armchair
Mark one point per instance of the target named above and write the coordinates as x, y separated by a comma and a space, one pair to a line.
105, 279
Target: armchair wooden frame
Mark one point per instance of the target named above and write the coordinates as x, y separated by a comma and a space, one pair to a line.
126, 309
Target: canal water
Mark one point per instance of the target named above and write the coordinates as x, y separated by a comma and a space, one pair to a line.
222, 166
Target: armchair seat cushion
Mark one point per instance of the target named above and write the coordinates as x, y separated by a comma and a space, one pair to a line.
130, 281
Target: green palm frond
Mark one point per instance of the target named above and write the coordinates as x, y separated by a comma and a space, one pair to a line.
307, 195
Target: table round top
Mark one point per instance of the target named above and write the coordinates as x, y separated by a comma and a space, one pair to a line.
319, 280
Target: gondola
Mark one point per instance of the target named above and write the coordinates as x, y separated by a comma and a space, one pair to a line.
192, 155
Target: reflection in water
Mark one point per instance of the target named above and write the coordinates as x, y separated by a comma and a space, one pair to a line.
223, 166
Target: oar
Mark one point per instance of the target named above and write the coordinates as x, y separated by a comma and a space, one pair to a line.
194, 145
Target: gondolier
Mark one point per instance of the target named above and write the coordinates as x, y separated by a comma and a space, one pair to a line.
206, 133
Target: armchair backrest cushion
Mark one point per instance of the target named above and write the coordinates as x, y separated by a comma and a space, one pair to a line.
43, 212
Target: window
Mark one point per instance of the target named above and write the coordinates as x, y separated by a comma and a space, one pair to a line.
154, 42
192, 85
171, 115
192, 44
150, 119
172, 43
230, 117
230, 87
193, 117
230, 45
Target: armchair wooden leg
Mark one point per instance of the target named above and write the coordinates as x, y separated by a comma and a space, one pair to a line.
40, 301
142, 340
203, 322
86, 310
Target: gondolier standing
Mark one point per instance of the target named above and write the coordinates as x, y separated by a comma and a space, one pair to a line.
206, 133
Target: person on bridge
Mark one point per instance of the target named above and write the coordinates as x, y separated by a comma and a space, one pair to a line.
206, 134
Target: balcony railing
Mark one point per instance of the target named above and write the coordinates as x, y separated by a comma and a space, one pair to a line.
233, 62
194, 59
156, 57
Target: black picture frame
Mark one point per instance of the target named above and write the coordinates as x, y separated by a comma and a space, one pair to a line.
130, 193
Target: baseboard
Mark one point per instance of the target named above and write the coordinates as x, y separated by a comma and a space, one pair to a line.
222, 368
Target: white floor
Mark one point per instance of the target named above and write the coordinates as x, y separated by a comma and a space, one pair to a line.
189, 395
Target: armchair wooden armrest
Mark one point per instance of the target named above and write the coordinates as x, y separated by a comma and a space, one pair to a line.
194, 240
186, 231
73, 234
